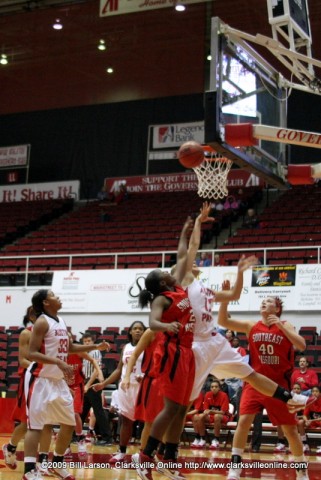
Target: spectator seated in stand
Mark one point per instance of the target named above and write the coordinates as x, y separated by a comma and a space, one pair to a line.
229, 335
311, 419
306, 377
216, 411
203, 261
218, 261
250, 219
231, 205
235, 343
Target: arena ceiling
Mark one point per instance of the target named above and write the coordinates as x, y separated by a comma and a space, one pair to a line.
154, 54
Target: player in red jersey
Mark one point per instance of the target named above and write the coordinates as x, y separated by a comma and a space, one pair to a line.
173, 359
149, 401
271, 343
19, 413
215, 410
78, 388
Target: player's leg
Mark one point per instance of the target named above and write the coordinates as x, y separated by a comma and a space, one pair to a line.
145, 434
9, 449
268, 387
30, 455
296, 447
44, 448
239, 443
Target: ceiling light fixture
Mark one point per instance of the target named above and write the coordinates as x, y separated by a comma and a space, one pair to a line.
179, 7
109, 70
209, 57
57, 24
4, 59
101, 45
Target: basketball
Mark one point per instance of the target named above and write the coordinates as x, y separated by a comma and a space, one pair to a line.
190, 154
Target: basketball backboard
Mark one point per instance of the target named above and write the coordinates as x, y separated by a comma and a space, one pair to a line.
244, 88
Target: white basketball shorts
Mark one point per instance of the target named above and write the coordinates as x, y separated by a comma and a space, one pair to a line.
127, 401
49, 402
214, 355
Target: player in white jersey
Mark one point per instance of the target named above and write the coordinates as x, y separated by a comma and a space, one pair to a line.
126, 399
48, 398
213, 353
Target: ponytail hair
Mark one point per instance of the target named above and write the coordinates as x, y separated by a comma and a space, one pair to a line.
37, 301
145, 297
152, 288
26, 319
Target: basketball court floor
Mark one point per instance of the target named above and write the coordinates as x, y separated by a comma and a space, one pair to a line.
197, 464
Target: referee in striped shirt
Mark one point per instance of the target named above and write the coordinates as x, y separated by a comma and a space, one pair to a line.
93, 399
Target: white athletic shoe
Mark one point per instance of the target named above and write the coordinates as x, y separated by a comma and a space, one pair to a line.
215, 444
195, 444
306, 448
143, 466
117, 457
234, 474
82, 448
202, 443
68, 453
61, 473
170, 472
302, 475
32, 475
10, 459
298, 402
43, 470
280, 448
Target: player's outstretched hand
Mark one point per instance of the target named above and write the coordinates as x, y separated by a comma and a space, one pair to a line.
125, 384
66, 369
103, 346
188, 227
98, 386
247, 262
226, 285
204, 213
173, 327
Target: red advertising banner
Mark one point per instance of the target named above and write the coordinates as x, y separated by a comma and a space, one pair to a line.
178, 182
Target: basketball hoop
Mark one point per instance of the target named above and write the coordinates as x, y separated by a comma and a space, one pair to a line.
212, 175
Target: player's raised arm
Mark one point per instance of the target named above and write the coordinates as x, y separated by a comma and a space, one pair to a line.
180, 270
236, 325
195, 240
235, 293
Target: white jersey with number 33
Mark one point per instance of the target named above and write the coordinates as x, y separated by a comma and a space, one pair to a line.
55, 344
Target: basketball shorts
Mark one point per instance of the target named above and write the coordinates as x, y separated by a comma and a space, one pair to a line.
315, 424
127, 401
78, 396
253, 402
19, 413
49, 402
214, 355
174, 366
149, 400
225, 418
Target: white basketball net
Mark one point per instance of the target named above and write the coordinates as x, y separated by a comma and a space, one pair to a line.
212, 176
